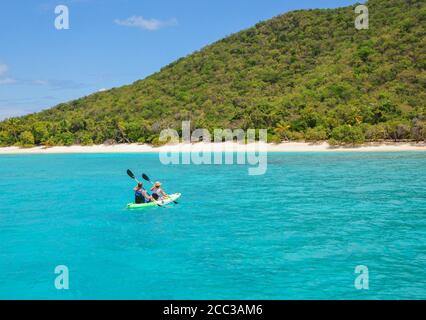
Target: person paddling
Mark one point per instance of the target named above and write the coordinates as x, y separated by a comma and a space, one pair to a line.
157, 192
141, 196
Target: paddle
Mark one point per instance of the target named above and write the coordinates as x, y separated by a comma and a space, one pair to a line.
145, 177
131, 175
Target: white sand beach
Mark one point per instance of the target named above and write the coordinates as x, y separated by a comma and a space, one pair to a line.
218, 147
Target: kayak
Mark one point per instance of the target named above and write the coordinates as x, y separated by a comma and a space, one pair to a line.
162, 202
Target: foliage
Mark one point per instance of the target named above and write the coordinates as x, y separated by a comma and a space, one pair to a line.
26, 139
347, 134
307, 74
316, 134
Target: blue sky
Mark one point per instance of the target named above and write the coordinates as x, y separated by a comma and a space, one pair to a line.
111, 42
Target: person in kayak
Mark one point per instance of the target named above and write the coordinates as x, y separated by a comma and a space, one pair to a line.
141, 196
157, 192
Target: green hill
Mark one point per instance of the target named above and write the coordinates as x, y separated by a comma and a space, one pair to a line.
303, 75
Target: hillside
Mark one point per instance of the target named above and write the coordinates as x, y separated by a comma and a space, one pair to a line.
303, 75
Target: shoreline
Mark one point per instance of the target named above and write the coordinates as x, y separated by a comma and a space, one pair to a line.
217, 147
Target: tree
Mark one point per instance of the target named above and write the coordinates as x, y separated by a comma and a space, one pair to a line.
375, 132
41, 133
348, 135
5, 138
316, 134
65, 138
364, 52
396, 130
26, 139
282, 130
418, 131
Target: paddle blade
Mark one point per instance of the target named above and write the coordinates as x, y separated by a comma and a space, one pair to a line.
130, 174
145, 177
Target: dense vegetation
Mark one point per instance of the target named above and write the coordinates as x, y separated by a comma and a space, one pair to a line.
305, 75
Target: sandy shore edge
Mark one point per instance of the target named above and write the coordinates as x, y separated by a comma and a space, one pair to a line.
217, 147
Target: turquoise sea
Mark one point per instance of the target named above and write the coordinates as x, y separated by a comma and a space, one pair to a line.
297, 232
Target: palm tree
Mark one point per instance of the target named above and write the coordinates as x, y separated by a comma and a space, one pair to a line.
282, 130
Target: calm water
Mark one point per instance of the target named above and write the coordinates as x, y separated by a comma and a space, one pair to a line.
297, 232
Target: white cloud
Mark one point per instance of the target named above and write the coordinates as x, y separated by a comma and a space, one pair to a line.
102, 90
3, 78
40, 82
3, 69
147, 24
7, 81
